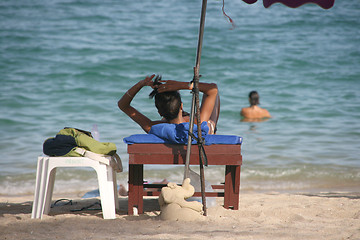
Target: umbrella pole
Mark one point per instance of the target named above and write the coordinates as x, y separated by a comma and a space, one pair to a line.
191, 128
195, 106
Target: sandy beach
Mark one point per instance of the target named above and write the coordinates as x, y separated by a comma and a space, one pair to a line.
261, 216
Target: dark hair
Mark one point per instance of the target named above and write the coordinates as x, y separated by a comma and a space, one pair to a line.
168, 104
254, 98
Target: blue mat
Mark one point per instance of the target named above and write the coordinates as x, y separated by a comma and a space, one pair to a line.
178, 134
209, 139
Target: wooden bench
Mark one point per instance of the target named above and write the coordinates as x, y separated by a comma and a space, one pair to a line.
175, 154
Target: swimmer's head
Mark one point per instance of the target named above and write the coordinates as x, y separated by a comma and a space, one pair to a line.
254, 98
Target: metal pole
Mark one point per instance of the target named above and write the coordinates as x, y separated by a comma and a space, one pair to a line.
195, 106
191, 128
200, 40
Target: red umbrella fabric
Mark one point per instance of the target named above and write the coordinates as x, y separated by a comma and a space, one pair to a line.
326, 4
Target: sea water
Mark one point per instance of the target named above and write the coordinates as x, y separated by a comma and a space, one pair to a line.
66, 63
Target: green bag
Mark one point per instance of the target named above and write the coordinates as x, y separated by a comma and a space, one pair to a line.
72, 142
83, 140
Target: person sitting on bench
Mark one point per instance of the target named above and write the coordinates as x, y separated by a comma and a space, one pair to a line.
169, 105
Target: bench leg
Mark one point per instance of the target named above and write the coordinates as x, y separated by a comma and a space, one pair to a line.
50, 181
136, 188
38, 198
116, 194
106, 188
232, 187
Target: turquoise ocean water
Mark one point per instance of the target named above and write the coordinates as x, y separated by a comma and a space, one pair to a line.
67, 62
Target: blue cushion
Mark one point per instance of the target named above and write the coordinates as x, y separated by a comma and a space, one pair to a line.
209, 139
178, 134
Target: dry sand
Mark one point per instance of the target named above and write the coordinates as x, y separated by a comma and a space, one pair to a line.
261, 216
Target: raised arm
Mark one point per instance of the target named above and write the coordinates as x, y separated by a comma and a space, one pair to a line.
210, 91
134, 114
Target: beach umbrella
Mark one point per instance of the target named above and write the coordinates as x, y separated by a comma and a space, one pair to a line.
195, 109
326, 4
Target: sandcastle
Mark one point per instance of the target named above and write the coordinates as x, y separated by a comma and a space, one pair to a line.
173, 204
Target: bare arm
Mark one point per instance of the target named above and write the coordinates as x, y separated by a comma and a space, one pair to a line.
210, 91
134, 114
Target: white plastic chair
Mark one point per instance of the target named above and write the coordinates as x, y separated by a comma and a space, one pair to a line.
45, 179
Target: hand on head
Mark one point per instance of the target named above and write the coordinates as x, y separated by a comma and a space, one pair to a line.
161, 85
168, 85
148, 81
154, 84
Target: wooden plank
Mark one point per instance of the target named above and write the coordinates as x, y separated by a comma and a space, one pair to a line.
213, 159
161, 185
181, 149
176, 154
197, 194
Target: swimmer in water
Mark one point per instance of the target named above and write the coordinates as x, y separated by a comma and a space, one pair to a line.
254, 112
